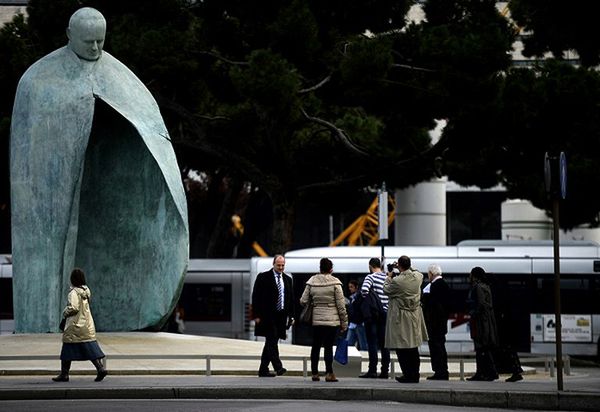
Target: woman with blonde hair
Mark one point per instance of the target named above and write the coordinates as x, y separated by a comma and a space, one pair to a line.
324, 292
79, 335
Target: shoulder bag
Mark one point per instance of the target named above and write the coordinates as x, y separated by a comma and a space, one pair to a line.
307, 312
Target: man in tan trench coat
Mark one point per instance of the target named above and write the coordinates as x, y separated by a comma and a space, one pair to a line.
405, 329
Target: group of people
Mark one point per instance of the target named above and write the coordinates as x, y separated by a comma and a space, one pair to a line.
395, 313
390, 311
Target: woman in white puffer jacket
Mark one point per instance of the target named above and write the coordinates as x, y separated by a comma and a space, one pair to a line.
325, 293
79, 335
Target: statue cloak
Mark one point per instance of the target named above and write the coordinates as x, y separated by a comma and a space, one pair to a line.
94, 184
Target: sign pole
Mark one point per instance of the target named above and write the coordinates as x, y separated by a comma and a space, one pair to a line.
382, 217
555, 176
557, 321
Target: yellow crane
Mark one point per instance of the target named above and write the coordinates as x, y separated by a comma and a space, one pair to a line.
237, 228
364, 230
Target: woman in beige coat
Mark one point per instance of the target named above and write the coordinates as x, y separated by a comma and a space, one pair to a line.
405, 328
324, 292
79, 335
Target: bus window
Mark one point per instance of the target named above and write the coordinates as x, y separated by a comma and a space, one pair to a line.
206, 302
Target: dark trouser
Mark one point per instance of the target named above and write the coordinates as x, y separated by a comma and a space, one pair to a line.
410, 363
270, 353
515, 362
376, 340
323, 336
484, 361
437, 352
507, 360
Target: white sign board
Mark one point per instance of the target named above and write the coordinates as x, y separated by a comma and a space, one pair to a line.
575, 328
382, 209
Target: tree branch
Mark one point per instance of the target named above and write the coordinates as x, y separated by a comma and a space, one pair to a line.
219, 57
316, 86
435, 153
407, 66
212, 118
341, 135
236, 161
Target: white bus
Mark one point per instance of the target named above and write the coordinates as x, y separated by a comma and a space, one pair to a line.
217, 292
524, 268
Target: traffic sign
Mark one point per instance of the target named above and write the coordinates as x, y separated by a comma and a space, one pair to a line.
563, 174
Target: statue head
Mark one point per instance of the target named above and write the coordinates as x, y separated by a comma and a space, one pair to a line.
86, 33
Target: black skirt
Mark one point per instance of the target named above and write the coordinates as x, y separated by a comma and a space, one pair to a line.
81, 351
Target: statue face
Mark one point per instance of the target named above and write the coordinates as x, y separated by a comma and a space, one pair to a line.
86, 38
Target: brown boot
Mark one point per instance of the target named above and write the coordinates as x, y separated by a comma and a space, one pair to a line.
65, 366
330, 377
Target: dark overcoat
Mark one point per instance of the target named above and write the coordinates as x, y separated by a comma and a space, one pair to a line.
483, 322
435, 308
264, 303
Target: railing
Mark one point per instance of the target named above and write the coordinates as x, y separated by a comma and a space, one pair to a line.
549, 361
207, 358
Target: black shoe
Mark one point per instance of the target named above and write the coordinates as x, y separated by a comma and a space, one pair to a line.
482, 378
514, 378
404, 379
281, 371
476, 378
371, 375
266, 374
384, 375
436, 377
489, 378
61, 378
101, 375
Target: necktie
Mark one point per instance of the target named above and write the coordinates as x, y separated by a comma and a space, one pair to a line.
280, 289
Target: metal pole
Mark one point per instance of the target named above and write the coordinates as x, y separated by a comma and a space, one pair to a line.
557, 322
330, 229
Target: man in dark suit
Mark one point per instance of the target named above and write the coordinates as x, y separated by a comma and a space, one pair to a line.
436, 297
273, 313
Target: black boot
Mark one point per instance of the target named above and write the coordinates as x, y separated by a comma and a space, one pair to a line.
65, 366
100, 368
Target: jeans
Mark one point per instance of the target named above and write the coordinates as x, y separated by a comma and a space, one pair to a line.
358, 334
376, 340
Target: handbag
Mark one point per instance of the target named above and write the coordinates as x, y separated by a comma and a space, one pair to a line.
306, 313
62, 324
341, 350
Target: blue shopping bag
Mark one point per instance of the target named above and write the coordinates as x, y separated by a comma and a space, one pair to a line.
341, 350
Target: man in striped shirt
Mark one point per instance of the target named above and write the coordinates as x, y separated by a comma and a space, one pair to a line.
375, 327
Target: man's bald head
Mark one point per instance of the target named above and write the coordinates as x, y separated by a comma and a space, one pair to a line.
86, 33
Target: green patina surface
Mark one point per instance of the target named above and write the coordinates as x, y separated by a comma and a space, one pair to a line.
94, 184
